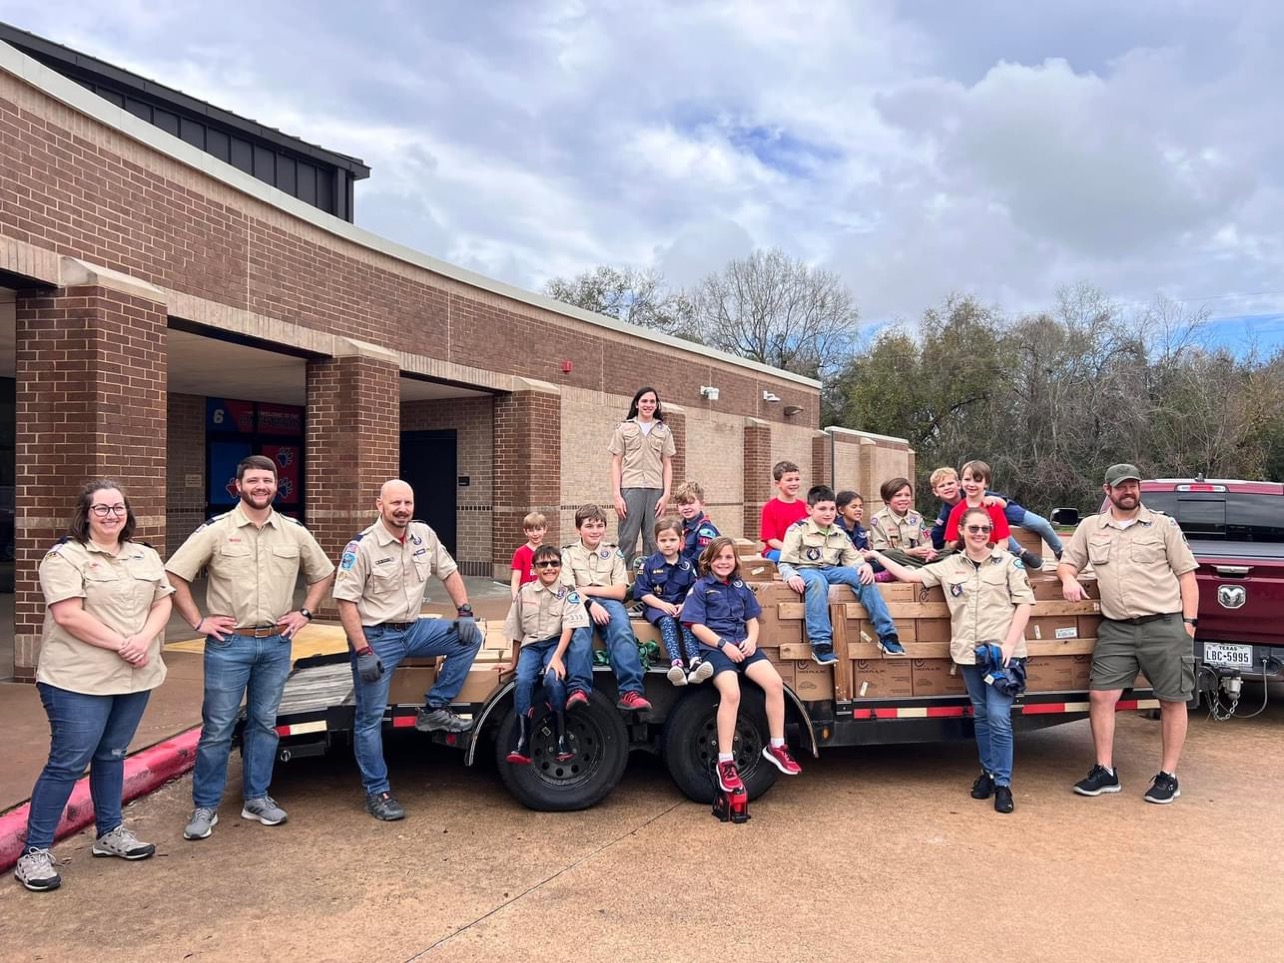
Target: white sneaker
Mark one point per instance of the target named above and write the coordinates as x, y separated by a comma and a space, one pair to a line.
35, 870
123, 843
676, 674
701, 670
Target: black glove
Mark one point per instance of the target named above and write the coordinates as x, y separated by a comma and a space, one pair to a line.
470, 633
369, 666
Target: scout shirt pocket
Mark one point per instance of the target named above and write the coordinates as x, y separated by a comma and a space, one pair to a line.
1100, 550
1148, 548
283, 561
145, 575
103, 586
956, 589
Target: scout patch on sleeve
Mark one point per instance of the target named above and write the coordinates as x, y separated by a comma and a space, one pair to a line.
684, 565
573, 598
619, 553
349, 558
1017, 563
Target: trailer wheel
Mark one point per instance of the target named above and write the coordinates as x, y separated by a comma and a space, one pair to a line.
691, 742
601, 745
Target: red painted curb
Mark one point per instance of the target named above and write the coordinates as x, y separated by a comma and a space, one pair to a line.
145, 772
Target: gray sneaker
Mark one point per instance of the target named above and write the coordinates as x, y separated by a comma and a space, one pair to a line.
35, 870
201, 824
123, 843
428, 720
265, 810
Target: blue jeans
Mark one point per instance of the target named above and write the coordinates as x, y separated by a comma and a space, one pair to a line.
83, 728
425, 638
992, 715
678, 640
532, 661
772, 553
621, 647
240, 665
816, 602
1041, 527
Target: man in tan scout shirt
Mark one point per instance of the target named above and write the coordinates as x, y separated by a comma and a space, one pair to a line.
1149, 603
253, 555
380, 591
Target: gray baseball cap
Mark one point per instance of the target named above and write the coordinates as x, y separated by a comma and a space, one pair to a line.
1121, 473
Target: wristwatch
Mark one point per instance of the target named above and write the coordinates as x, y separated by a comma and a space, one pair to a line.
1189, 621
307, 614
722, 643
465, 611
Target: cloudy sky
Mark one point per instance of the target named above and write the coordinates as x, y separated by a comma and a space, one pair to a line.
996, 148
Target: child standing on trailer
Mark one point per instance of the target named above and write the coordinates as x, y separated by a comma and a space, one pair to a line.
535, 525
540, 623
663, 583
722, 613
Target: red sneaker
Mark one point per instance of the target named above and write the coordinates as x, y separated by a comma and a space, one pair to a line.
577, 698
518, 758
729, 778
779, 757
633, 702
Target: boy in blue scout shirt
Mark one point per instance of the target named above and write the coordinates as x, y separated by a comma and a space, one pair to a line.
697, 530
818, 554
722, 613
663, 583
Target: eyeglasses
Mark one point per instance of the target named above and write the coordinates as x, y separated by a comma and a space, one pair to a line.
979, 529
102, 511
547, 564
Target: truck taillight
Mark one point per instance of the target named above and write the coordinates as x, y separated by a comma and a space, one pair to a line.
1201, 488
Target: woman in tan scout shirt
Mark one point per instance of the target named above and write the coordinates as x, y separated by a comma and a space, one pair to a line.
642, 451
108, 602
990, 601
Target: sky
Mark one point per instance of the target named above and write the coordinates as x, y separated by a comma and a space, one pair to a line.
918, 149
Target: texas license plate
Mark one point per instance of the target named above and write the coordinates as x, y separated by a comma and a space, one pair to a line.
1230, 656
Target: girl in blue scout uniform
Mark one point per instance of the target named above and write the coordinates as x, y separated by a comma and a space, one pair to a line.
662, 583
722, 613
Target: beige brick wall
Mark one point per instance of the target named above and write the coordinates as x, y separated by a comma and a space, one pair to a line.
847, 469
794, 444
888, 463
715, 459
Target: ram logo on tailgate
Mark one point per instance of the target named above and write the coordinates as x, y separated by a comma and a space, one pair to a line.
1231, 596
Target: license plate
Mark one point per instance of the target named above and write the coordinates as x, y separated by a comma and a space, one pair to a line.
1231, 656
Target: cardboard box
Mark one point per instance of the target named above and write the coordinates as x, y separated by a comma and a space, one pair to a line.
1047, 587
814, 682
935, 677
1052, 628
899, 591
932, 630
644, 631
786, 670
758, 568
410, 683
1089, 626
1058, 673
882, 678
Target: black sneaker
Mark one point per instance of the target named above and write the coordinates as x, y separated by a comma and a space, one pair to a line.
983, 788
1163, 789
1099, 780
1003, 799
429, 719
384, 806
891, 645
1031, 561
822, 653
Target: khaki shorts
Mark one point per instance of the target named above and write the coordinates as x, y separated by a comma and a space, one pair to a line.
1161, 649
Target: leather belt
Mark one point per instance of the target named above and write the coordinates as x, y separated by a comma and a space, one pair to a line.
395, 626
257, 631
1143, 619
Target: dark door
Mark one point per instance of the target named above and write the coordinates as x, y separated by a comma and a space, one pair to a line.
428, 465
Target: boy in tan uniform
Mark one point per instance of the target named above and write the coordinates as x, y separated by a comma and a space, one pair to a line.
1150, 605
897, 530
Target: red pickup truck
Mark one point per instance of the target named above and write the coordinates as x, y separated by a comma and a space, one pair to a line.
1236, 530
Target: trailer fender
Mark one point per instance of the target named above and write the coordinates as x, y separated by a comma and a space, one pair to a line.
795, 706
499, 696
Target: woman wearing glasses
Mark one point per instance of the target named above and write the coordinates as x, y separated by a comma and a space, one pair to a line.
108, 602
990, 601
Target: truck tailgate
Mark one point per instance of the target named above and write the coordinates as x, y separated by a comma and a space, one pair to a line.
1241, 591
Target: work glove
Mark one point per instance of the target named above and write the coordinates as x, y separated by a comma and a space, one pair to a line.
369, 666
470, 633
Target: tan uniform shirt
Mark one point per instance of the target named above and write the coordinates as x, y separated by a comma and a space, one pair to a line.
119, 591
1137, 566
642, 464
252, 570
540, 613
982, 600
888, 531
807, 546
386, 576
602, 566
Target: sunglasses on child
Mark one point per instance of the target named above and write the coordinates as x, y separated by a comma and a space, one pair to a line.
978, 529
548, 563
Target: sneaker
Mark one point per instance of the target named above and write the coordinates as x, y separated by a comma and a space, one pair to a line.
429, 719
384, 806
676, 674
121, 842
202, 823
577, 698
1031, 561
822, 653
636, 610
1003, 799
779, 757
633, 702
1098, 780
265, 810
729, 778
701, 671
35, 870
891, 645
983, 788
1163, 789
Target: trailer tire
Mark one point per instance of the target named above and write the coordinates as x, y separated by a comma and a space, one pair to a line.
691, 742
601, 744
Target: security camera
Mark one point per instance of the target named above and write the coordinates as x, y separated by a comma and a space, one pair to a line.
709, 391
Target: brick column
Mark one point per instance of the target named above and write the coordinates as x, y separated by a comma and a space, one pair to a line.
91, 381
822, 459
528, 466
757, 473
353, 441
676, 419
868, 483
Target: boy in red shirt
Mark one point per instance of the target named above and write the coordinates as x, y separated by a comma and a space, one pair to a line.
783, 510
535, 525
976, 479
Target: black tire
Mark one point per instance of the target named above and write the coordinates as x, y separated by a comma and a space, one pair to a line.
691, 742
601, 745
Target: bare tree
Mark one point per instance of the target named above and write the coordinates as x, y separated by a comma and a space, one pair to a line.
778, 310
633, 294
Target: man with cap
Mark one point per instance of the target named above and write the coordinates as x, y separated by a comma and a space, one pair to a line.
1149, 603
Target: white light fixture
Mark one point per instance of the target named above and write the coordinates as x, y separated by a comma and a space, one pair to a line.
709, 391
768, 396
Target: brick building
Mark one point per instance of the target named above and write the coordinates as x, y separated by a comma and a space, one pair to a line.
166, 308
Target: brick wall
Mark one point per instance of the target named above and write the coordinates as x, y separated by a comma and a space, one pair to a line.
715, 459
528, 466
184, 456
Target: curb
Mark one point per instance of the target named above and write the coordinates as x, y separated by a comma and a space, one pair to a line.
145, 772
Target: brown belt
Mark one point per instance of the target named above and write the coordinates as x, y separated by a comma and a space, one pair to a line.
395, 626
257, 631
1143, 619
